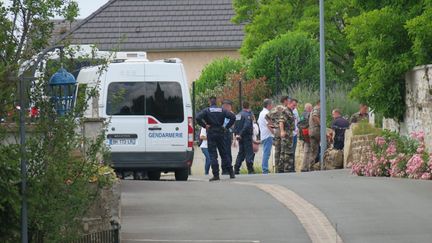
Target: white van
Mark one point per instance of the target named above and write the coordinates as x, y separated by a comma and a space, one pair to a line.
150, 112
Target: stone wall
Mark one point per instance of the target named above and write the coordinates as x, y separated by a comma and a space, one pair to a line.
418, 100
299, 155
104, 211
358, 149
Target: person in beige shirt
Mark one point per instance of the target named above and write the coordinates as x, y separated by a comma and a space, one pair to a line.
311, 149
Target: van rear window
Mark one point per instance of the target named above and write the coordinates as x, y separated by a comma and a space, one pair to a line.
162, 100
126, 99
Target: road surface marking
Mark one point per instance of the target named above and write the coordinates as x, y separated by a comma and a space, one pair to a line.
194, 241
316, 224
197, 179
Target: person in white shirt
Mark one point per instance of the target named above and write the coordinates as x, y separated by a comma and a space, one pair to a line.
204, 149
255, 138
296, 130
266, 134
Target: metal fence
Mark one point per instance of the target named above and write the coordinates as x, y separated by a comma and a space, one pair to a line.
107, 236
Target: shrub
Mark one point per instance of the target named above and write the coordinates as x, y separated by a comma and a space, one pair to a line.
10, 198
254, 91
337, 97
397, 156
216, 74
298, 61
65, 170
201, 99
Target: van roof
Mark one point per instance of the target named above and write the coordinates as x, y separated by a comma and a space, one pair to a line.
91, 74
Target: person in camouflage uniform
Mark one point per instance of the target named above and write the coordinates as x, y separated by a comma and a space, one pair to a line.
362, 115
273, 119
312, 150
287, 126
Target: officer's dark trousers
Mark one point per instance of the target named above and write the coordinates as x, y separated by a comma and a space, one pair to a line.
245, 152
227, 162
216, 142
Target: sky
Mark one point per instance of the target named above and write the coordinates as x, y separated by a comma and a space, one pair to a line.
87, 7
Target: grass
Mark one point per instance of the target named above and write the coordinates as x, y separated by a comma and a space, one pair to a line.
257, 168
337, 97
364, 128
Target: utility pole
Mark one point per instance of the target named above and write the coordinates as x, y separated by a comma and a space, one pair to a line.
323, 114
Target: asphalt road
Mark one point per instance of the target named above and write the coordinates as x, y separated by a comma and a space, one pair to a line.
360, 209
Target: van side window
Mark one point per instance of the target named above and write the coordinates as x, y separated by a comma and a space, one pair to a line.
164, 101
126, 98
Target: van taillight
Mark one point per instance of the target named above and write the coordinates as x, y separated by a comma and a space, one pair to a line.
190, 132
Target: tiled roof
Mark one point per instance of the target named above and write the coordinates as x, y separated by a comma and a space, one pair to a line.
61, 27
160, 25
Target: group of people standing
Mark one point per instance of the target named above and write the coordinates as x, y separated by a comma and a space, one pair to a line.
218, 135
280, 126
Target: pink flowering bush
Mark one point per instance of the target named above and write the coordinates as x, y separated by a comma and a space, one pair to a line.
393, 155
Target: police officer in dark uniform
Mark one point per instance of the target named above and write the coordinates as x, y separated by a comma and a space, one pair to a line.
213, 119
339, 125
228, 138
244, 133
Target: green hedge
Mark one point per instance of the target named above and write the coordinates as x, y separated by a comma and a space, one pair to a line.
298, 61
216, 73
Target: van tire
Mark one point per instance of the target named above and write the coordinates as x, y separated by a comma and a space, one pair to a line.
154, 175
138, 175
182, 174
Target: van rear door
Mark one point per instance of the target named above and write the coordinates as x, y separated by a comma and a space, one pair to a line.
125, 106
167, 128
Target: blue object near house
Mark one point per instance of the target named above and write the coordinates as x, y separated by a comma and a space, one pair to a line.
63, 86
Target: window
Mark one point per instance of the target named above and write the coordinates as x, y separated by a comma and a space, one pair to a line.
162, 100
126, 98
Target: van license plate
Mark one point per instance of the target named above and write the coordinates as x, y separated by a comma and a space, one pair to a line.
122, 141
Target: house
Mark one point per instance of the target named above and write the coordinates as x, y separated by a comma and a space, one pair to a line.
61, 27
196, 31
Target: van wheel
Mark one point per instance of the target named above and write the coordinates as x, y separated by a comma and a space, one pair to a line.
182, 175
120, 175
138, 175
154, 175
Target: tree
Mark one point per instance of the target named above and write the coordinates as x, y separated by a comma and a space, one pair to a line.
25, 30
370, 44
265, 20
388, 39
419, 31
64, 167
272, 20
298, 61
216, 73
